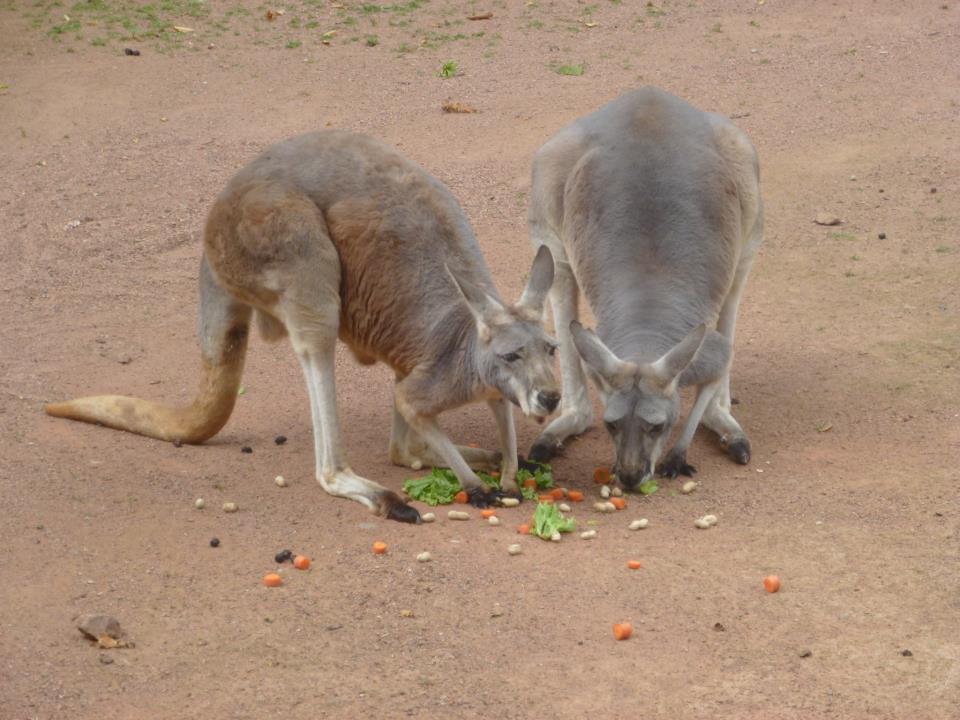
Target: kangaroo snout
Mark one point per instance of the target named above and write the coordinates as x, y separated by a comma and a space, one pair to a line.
548, 400
631, 478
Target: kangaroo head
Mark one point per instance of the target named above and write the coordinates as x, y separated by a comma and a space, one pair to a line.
514, 355
642, 401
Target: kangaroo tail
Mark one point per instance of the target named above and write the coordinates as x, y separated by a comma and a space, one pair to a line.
224, 327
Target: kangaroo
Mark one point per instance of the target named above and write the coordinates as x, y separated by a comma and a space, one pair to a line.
334, 235
652, 209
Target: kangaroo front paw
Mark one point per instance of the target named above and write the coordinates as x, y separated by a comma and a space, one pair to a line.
393, 508
483, 497
676, 464
543, 450
739, 451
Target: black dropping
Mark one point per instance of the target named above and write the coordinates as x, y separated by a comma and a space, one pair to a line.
130, 51
882, 236
214, 542
283, 556
246, 449
906, 653
280, 439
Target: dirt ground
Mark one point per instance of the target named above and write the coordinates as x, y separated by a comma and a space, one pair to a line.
846, 372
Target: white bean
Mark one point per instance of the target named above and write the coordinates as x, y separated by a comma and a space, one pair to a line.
588, 534
199, 503
556, 537
458, 515
493, 520
638, 524
563, 507
712, 519
604, 507
689, 486
424, 557
509, 502
416, 465
428, 517
605, 492
701, 523
280, 481
616, 491
230, 507
514, 549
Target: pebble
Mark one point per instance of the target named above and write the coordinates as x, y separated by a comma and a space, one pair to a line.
428, 517
230, 507
638, 524
616, 491
246, 449
280, 481
424, 557
806, 653
604, 507
493, 520
458, 515
199, 503
689, 486
214, 542
882, 236
280, 439
823, 218
514, 549
605, 492
131, 52
588, 534
509, 502
283, 556
563, 507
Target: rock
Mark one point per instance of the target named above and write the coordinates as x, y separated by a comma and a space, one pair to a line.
131, 51
823, 218
106, 659
906, 653
97, 626
718, 627
806, 653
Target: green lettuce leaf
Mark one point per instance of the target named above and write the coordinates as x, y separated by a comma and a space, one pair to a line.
437, 488
548, 520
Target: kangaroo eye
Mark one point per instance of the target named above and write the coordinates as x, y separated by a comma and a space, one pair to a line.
656, 429
551, 350
510, 357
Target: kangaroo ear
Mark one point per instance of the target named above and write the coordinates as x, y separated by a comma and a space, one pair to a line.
541, 278
484, 306
611, 369
666, 370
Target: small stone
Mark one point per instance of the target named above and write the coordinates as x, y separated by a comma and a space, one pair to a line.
280, 481
823, 218
230, 507
806, 653
214, 542
424, 557
106, 659
96, 627
509, 502
638, 524
853, 177
246, 449
131, 51
882, 236
199, 503
514, 549
496, 612
718, 627
563, 507
588, 534
283, 556
933, 191
428, 517
906, 653
280, 439
406, 613
493, 520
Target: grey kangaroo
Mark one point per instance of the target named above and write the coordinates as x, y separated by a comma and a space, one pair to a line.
332, 234
652, 209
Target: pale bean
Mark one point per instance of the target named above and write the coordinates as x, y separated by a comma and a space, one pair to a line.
605, 492
514, 549
588, 534
230, 507
604, 507
638, 524
416, 465
701, 523
616, 491
424, 557
199, 503
712, 519
689, 486
493, 520
563, 507
458, 515
280, 481
509, 502
556, 537
428, 517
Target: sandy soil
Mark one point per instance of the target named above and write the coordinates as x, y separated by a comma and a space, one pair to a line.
109, 165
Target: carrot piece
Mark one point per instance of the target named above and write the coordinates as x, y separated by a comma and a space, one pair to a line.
301, 562
557, 494
601, 476
379, 548
460, 497
530, 483
272, 580
618, 502
524, 529
771, 583
488, 513
548, 499
633, 564
575, 496
622, 631
473, 445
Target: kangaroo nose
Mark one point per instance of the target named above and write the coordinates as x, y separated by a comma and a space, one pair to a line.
549, 400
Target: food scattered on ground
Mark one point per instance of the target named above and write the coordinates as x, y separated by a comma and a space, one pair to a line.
618, 502
601, 475
449, 106
406, 613
707, 521
214, 542
524, 529
493, 520
230, 507
272, 580
563, 507
461, 497
488, 513
440, 487
301, 562
424, 557
605, 492
638, 524
771, 583
558, 493
379, 548
280, 481
533, 482
689, 486
616, 491
649, 487
633, 564
199, 503
283, 556
588, 534
622, 631
556, 537
548, 521
605, 507
458, 515
548, 499
509, 502
575, 496
428, 517
514, 549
